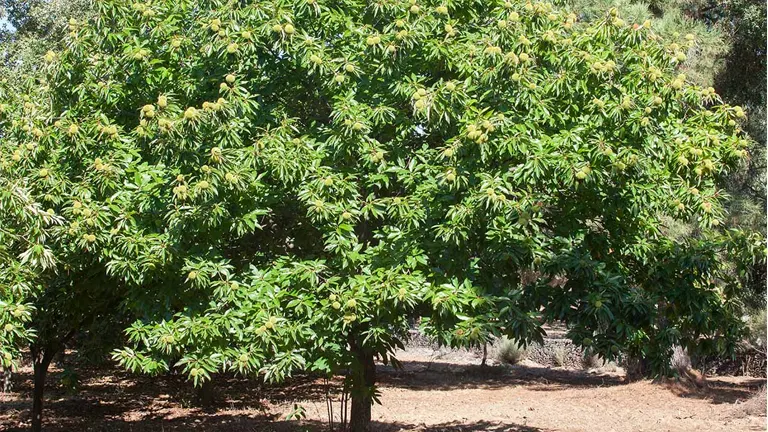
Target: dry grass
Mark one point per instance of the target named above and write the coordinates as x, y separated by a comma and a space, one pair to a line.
757, 330
591, 361
680, 360
559, 355
754, 406
509, 351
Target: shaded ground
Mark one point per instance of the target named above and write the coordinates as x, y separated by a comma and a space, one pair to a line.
435, 392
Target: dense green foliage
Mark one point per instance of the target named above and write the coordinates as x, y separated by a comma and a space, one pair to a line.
283, 185
32, 27
51, 286
670, 20
743, 81
729, 55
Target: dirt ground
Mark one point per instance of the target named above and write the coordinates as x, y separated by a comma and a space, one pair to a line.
435, 392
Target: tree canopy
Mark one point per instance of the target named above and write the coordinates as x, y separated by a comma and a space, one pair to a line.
728, 55
283, 185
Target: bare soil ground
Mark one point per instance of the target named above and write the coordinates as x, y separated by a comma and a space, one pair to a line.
436, 391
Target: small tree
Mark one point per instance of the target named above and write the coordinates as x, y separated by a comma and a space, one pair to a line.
727, 55
281, 185
52, 286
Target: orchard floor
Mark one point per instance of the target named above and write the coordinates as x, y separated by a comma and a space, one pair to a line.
435, 392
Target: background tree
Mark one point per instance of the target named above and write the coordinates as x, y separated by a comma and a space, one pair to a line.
281, 185
53, 286
32, 27
743, 81
729, 55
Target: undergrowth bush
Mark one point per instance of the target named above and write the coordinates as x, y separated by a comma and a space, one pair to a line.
757, 330
559, 354
754, 406
680, 359
591, 361
509, 351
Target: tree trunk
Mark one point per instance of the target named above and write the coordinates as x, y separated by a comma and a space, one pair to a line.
362, 391
42, 361
637, 368
205, 396
7, 375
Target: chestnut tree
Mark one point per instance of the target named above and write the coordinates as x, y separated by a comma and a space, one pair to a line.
284, 185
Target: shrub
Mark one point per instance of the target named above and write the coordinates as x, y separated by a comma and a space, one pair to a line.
559, 355
757, 329
754, 406
509, 351
591, 361
609, 367
680, 359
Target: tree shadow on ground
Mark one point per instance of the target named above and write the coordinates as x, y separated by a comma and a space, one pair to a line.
112, 400
717, 391
117, 401
418, 375
426, 376
482, 426
223, 422
108, 398
139, 389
